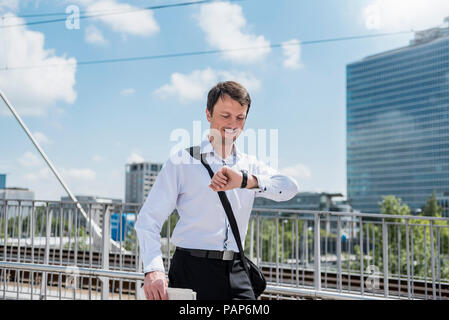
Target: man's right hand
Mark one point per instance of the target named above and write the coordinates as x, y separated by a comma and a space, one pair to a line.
155, 286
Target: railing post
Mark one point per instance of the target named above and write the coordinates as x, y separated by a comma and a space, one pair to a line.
362, 278
432, 260
251, 240
385, 255
47, 251
5, 228
277, 248
339, 278
297, 249
105, 253
140, 293
317, 254
408, 258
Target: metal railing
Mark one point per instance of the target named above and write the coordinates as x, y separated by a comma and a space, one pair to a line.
48, 251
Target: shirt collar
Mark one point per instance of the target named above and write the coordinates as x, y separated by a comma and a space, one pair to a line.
206, 147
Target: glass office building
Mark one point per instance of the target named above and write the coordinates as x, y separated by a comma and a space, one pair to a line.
2, 181
398, 123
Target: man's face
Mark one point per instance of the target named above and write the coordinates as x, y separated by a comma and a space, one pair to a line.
228, 119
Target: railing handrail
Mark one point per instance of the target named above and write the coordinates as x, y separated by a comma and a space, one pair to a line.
93, 272
354, 214
71, 202
312, 240
274, 210
271, 289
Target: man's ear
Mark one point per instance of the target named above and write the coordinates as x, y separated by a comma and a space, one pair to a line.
208, 116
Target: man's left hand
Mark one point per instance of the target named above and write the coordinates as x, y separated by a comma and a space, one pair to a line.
226, 179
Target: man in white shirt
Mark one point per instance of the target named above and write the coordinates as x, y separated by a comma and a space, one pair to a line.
206, 259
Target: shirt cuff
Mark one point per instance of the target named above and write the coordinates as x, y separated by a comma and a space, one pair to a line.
263, 183
155, 265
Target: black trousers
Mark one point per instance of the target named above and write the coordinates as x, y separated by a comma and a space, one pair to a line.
211, 279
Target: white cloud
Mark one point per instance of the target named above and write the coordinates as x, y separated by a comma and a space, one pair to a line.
292, 53
81, 181
94, 35
41, 138
224, 25
43, 173
402, 15
29, 159
298, 171
127, 92
9, 5
81, 2
68, 175
135, 158
137, 22
79, 173
32, 91
194, 86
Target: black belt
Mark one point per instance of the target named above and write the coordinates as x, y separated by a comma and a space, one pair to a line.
212, 254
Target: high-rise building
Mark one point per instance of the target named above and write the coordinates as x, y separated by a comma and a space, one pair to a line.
140, 177
2, 181
443, 202
398, 123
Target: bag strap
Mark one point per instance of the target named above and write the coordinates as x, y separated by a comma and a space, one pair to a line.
195, 153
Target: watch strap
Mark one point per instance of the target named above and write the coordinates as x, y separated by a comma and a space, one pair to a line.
245, 179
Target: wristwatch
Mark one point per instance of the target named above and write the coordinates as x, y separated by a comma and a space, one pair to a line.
245, 178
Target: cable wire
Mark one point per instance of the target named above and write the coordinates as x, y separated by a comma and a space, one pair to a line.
105, 13
207, 52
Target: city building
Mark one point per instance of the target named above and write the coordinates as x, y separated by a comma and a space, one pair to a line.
140, 178
14, 193
398, 123
12, 196
443, 202
316, 201
2, 181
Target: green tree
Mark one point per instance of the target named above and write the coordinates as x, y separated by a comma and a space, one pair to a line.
431, 208
419, 238
393, 206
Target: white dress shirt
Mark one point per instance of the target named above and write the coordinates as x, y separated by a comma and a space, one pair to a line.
183, 183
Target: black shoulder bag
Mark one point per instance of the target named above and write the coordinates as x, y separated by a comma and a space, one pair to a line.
256, 276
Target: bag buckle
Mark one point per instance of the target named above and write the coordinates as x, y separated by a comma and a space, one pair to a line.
228, 255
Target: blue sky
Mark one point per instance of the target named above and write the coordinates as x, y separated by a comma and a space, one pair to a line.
92, 119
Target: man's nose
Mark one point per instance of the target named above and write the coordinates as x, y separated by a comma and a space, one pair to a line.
233, 123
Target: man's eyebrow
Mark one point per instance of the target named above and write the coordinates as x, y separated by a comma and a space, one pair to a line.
227, 112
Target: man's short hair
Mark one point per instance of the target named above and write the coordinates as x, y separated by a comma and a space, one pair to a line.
233, 89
